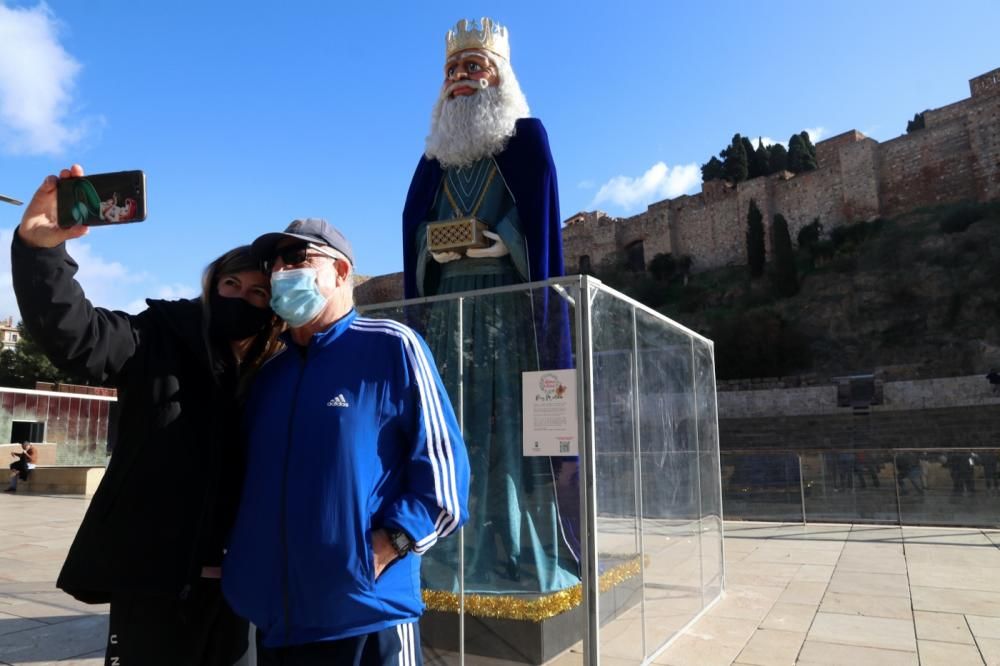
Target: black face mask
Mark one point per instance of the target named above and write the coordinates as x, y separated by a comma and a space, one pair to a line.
235, 319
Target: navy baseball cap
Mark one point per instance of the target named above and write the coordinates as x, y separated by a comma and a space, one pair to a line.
312, 230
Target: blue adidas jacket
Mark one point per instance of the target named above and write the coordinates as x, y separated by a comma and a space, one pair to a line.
352, 434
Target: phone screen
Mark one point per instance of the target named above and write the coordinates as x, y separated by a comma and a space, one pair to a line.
103, 198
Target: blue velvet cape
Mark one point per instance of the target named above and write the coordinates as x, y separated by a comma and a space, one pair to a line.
527, 169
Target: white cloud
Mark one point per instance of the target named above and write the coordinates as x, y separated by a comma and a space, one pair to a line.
169, 292
658, 183
36, 83
94, 269
816, 135
768, 141
115, 286
108, 284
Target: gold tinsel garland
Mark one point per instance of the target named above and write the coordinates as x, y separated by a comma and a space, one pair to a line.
536, 609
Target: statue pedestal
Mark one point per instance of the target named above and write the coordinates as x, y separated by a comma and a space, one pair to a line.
523, 640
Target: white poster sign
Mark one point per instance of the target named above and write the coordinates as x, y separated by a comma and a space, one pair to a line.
550, 424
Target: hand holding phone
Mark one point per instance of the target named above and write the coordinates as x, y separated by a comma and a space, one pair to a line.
104, 198
40, 223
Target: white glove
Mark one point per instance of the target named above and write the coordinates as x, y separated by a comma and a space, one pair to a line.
445, 257
498, 249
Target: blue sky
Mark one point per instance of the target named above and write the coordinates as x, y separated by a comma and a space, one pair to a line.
246, 115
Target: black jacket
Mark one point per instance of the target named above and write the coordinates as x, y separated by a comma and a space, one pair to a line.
172, 483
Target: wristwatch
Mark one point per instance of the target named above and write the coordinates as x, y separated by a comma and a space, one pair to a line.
400, 540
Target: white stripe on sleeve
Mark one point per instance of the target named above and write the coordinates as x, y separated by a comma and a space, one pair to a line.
439, 445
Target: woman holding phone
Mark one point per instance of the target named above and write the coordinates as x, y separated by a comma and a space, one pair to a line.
151, 542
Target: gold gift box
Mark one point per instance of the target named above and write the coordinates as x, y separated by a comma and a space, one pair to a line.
456, 235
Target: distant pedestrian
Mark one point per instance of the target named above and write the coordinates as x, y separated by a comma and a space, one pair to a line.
21, 468
908, 469
994, 379
988, 459
962, 467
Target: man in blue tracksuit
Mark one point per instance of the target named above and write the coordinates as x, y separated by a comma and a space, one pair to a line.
356, 465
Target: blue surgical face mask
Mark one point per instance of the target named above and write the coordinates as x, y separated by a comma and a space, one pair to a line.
295, 296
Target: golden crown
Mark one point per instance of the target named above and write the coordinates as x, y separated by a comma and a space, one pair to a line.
490, 36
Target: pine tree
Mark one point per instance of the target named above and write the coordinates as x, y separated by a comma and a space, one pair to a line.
784, 273
755, 241
712, 170
736, 160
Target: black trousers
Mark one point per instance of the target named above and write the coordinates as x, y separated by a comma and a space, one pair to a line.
200, 630
21, 467
395, 646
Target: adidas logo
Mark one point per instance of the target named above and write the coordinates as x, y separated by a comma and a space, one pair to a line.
339, 401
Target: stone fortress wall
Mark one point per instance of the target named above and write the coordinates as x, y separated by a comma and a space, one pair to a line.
956, 157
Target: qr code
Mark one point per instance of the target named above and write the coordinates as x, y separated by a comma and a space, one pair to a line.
563, 447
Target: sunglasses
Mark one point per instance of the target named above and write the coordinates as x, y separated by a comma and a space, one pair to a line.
293, 255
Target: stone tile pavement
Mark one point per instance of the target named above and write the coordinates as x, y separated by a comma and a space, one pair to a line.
39, 625
817, 594
851, 595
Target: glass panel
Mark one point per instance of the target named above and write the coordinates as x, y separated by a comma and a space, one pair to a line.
708, 471
949, 487
521, 542
658, 532
615, 434
762, 486
845, 486
670, 479
441, 573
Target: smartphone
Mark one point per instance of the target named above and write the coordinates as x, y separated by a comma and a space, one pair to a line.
103, 198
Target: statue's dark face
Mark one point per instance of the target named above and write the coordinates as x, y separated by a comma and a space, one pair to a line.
471, 66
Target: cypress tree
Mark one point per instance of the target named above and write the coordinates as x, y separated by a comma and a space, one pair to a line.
755, 241
810, 162
777, 158
784, 275
796, 154
752, 170
736, 160
760, 157
712, 170
916, 124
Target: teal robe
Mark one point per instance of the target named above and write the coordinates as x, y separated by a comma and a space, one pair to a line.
513, 540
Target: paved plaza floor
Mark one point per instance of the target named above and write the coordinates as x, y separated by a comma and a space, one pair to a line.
817, 594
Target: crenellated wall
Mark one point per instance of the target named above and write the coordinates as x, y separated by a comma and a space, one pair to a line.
930, 166
956, 157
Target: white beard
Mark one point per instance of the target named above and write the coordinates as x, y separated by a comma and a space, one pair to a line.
467, 129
